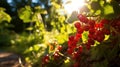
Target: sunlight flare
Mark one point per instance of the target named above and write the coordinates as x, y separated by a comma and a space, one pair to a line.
73, 5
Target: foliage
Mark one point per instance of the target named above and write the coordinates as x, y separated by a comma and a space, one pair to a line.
98, 45
4, 23
4, 16
40, 39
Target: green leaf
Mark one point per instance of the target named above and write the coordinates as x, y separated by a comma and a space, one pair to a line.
108, 9
36, 47
40, 10
36, 17
29, 28
4, 16
107, 37
25, 14
57, 6
98, 12
85, 36
67, 62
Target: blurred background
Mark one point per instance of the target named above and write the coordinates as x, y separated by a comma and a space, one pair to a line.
33, 28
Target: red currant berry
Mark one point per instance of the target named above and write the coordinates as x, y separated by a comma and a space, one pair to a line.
80, 30
91, 41
105, 31
91, 22
77, 37
77, 25
71, 38
100, 38
91, 36
98, 25
75, 55
69, 43
104, 21
91, 31
86, 28
82, 18
80, 49
45, 59
98, 33
56, 55
70, 51
59, 48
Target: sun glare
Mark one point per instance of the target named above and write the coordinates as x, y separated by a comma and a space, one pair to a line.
73, 5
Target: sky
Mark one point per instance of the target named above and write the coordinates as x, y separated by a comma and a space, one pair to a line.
69, 5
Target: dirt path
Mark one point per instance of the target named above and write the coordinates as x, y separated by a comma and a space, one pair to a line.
8, 59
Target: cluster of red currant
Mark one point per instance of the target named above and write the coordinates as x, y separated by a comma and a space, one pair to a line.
97, 31
56, 56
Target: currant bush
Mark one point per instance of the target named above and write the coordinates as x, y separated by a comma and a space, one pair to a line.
80, 52
96, 42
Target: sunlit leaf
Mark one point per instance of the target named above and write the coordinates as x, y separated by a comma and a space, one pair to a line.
108, 9
67, 62
85, 36
28, 50
98, 12
25, 14
55, 5
36, 47
27, 59
29, 28
4, 16
107, 37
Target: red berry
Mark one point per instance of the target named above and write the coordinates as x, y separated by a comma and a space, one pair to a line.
91, 22
105, 31
69, 43
82, 18
98, 26
100, 37
80, 49
56, 55
91, 41
91, 31
98, 32
91, 36
104, 21
71, 38
86, 28
77, 25
45, 59
80, 30
77, 37
72, 44
75, 55
70, 51
59, 48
